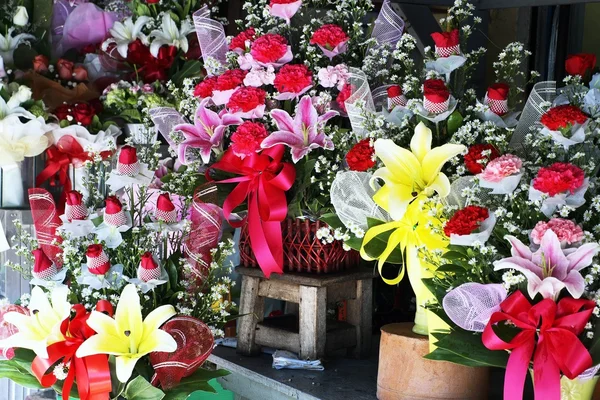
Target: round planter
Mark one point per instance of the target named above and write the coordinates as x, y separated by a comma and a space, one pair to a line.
405, 375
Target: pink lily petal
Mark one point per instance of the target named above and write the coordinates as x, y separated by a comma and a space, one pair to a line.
328, 115
285, 11
523, 265
283, 120
575, 284
217, 136
298, 153
230, 119
191, 131
552, 255
206, 118
282, 137
583, 256
221, 97
549, 288
518, 249
290, 95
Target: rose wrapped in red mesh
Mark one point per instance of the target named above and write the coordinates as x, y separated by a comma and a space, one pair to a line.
113, 212
497, 98
241, 42
75, 209
559, 178
97, 260
128, 163
360, 157
165, 209
466, 221
476, 160
269, 48
563, 117
148, 269
446, 43
579, 64
293, 79
436, 96
43, 267
247, 138
396, 97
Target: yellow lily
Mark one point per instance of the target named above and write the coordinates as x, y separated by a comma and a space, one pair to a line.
41, 327
127, 336
411, 174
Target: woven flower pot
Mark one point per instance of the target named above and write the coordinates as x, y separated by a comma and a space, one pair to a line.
302, 251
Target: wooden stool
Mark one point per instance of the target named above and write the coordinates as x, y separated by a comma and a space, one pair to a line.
312, 335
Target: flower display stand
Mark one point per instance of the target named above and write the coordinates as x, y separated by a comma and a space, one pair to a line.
405, 375
310, 335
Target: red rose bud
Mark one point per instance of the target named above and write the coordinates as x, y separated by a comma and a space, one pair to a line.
149, 268
84, 114
43, 267
75, 209
579, 64
436, 96
497, 98
165, 210
396, 97
128, 163
446, 43
97, 260
113, 213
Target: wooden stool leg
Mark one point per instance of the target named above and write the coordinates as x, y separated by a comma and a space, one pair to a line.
252, 309
313, 319
360, 315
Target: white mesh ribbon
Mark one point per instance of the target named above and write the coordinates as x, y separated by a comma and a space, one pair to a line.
471, 305
211, 37
388, 26
532, 112
359, 101
165, 119
352, 198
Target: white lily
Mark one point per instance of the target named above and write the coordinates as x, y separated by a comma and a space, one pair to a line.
126, 32
127, 336
170, 35
41, 327
9, 43
2, 71
19, 140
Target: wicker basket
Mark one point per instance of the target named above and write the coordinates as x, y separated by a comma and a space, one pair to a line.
302, 251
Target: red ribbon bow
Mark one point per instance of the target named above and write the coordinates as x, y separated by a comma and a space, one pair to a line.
264, 181
548, 332
92, 372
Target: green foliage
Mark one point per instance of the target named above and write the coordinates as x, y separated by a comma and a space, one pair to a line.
191, 69
466, 348
140, 389
197, 381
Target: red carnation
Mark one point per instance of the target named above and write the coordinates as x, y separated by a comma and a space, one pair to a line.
246, 99
205, 88
239, 42
293, 79
269, 48
84, 113
63, 111
466, 221
475, 161
559, 178
341, 98
360, 157
113, 205
579, 64
247, 138
230, 79
435, 90
394, 91
563, 117
329, 36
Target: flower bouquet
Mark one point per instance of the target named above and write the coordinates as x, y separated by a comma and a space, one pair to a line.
517, 283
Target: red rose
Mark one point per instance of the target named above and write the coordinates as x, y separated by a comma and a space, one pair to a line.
74, 198
152, 1
563, 117
269, 48
94, 250
247, 138
559, 178
293, 79
138, 53
152, 73
194, 52
239, 42
466, 221
83, 113
147, 261
394, 91
113, 205
579, 64
97, 260
344, 94
446, 39
128, 155
329, 36
80, 74
230, 79
65, 69
205, 88
498, 91
246, 99
166, 56
360, 157
435, 90
42, 265
475, 161
164, 203
63, 111
40, 64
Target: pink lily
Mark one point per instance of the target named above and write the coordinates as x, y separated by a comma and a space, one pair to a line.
550, 268
206, 133
302, 133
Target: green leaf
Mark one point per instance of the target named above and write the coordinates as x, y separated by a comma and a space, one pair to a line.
450, 268
455, 121
141, 389
15, 372
378, 244
131, 115
469, 346
191, 68
142, 10
445, 355
197, 381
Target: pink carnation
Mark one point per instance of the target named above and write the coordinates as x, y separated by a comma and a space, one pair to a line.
567, 231
502, 167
